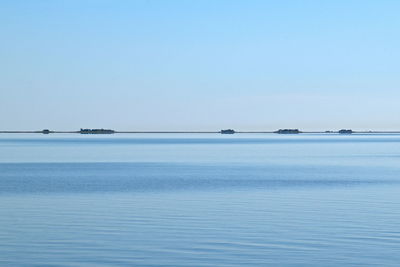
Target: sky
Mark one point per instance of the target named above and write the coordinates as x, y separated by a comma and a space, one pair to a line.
199, 65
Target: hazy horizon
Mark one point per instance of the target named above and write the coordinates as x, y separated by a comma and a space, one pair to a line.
206, 65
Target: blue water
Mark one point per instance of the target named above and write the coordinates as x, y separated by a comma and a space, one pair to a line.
199, 200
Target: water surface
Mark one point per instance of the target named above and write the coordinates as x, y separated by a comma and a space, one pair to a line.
199, 200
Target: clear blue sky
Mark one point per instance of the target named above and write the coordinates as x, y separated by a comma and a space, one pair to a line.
207, 65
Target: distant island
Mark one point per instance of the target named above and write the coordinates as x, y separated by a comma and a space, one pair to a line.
96, 131
346, 131
288, 131
228, 131
223, 131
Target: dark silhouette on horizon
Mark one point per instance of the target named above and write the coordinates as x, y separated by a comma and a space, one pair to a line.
288, 131
228, 131
96, 131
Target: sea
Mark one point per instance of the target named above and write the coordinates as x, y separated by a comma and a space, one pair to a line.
199, 200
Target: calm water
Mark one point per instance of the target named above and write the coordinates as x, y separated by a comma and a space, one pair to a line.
199, 200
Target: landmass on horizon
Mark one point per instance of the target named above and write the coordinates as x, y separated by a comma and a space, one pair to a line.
224, 131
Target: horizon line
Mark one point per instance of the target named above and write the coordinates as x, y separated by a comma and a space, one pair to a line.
46, 131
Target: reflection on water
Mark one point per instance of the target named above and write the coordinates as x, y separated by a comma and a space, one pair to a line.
187, 200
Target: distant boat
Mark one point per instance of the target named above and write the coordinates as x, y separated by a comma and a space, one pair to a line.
227, 131
288, 131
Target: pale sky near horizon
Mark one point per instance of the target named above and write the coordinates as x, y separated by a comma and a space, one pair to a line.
199, 65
